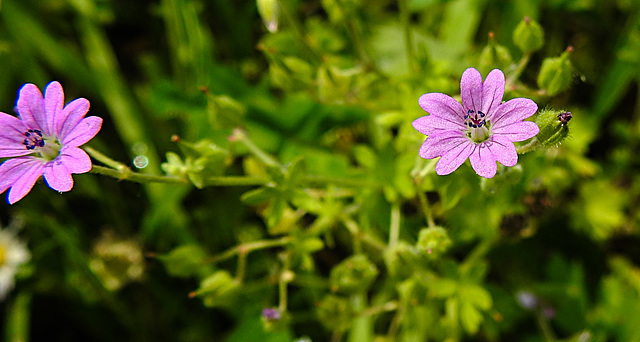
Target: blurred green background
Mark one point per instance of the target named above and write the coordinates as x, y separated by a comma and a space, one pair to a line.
547, 250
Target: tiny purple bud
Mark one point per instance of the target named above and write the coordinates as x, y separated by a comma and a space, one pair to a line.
270, 314
549, 312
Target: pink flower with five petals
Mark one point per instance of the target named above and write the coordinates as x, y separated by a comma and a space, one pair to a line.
44, 140
481, 129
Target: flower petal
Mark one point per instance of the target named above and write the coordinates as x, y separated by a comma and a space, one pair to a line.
492, 91
514, 110
24, 175
503, 150
439, 144
442, 105
75, 159
72, 113
53, 103
483, 161
12, 136
84, 131
452, 160
58, 176
31, 108
518, 131
471, 89
431, 124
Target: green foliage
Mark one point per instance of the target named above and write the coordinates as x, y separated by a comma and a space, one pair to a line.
291, 177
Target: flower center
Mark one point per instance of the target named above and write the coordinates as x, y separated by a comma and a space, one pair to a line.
2, 255
47, 147
479, 128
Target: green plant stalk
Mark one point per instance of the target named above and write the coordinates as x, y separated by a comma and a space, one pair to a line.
405, 18
522, 64
129, 175
18, 320
242, 137
426, 208
394, 229
249, 247
362, 329
530, 146
282, 283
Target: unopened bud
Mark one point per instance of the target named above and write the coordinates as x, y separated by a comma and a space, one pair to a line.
354, 274
269, 12
494, 56
528, 35
556, 73
553, 127
433, 240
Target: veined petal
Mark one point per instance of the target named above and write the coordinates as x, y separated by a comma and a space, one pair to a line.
503, 150
492, 91
27, 174
72, 113
471, 89
75, 159
442, 105
483, 161
31, 108
442, 143
514, 110
12, 136
518, 131
84, 131
452, 160
430, 124
53, 103
11, 170
58, 176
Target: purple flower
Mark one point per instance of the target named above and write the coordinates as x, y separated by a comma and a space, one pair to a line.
481, 128
44, 141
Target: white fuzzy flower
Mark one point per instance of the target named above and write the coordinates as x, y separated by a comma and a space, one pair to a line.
13, 253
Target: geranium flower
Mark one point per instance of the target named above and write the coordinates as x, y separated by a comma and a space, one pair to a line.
482, 128
13, 253
44, 141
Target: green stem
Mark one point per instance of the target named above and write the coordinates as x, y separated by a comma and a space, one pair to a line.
394, 230
543, 324
249, 247
104, 159
386, 307
242, 264
426, 208
285, 278
519, 68
236, 181
530, 146
240, 136
129, 175
405, 17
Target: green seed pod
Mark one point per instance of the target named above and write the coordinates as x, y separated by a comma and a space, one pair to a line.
554, 127
352, 275
494, 56
528, 35
433, 241
556, 73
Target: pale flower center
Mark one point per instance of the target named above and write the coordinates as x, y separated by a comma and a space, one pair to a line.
47, 147
479, 128
2, 255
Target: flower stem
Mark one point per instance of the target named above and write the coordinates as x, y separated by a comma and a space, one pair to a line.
530, 146
129, 175
426, 208
394, 229
405, 18
249, 247
240, 136
104, 159
519, 68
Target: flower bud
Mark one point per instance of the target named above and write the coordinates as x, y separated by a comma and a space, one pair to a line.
354, 274
553, 127
433, 240
528, 36
335, 312
555, 73
218, 289
269, 11
116, 261
494, 56
401, 259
